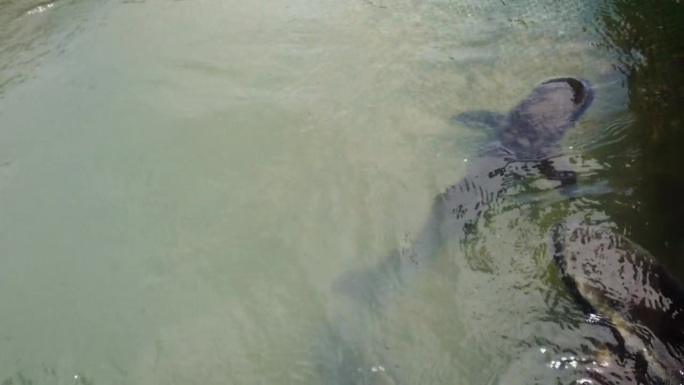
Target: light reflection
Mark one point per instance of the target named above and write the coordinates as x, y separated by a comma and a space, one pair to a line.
569, 362
40, 8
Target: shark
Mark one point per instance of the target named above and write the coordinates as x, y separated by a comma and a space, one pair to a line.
524, 143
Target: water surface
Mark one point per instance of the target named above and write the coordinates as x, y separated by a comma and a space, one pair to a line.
182, 181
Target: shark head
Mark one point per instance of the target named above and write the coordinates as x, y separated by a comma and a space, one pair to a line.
537, 124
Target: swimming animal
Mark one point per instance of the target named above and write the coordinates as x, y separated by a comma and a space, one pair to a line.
621, 286
523, 147
525, 142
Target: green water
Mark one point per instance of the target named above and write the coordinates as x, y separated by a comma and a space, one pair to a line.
181, 181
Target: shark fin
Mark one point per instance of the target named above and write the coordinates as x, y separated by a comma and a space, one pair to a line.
489, 121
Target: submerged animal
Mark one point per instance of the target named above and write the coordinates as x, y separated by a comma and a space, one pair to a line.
621, 286
534, 127
525, 143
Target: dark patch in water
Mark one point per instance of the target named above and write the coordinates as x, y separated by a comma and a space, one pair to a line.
618, 283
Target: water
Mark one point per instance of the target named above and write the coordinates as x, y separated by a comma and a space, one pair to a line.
182, 181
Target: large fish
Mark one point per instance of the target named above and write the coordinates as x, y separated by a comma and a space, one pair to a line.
525, 142
620, 285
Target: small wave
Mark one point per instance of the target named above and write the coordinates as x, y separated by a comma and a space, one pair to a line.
611, 133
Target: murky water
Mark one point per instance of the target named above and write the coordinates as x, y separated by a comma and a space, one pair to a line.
182, 181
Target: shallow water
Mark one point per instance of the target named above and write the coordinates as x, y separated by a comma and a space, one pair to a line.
182, 181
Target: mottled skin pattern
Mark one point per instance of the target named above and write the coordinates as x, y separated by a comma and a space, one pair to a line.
617, 280
524, 140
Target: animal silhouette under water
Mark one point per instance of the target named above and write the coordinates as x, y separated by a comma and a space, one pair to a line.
525, 141
524, 145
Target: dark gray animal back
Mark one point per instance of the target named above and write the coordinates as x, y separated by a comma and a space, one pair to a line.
540, 120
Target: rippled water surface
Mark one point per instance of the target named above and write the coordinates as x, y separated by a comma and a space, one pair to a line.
181, 182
